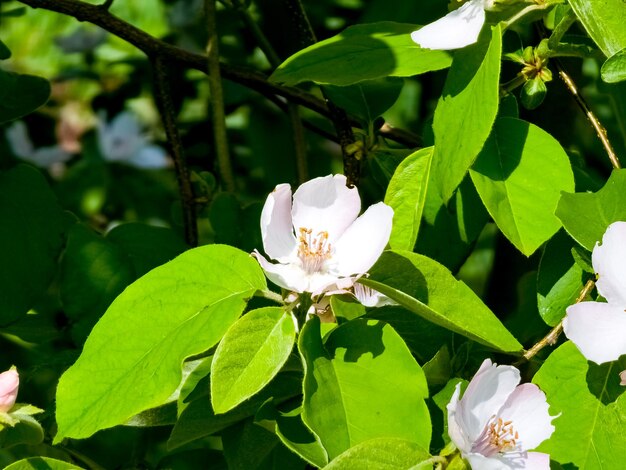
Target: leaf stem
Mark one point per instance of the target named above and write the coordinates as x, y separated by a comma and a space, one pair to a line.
555, 332
217, 98
268, 294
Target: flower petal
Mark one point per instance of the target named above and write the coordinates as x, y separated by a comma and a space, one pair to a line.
9, 385
510, 461
19, 140
276, 227
622, 377
609, 262
598, 329
527, 408
151, 157
364, 241
484, 396
325, 204
455, 431
457, 29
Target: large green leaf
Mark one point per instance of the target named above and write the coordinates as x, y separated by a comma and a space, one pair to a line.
614, 69
361, 52
362, 384
519, 175
136, 350
406, 194
21, 94
251, 353
588, 433
604, 21
381, 454
31, 238
466, 110
42, 463
428, 289
586, 216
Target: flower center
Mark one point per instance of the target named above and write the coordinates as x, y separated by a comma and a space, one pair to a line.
498, 437
313, 250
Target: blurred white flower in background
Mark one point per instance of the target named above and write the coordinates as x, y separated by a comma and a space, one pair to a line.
122, 140
23, 148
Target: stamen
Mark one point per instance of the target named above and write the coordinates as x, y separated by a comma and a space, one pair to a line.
313, 251
498, 437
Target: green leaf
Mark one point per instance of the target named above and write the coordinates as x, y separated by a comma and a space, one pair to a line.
5, 53
367, 99
176, 310
428, 289
466, 110
559, 280
588, 433
42, 463
586, 216
31, 238
21, 94
251, 353
361, 384
346, 307
381, 454
406, 194
604, 22
23, 430
361, 52
614, 69
519, 176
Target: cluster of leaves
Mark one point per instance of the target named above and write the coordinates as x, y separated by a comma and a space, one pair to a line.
146, 352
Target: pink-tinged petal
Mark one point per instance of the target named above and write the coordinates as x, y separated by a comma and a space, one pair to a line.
455, 431
527, 408
622, 376
279, 241
598, 329
325, 204
9, 384
609, 262
510, 461
457, 29
484, 396
364, 241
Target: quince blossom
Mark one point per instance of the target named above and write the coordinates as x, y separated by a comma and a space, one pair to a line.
121, 140
318, 239
9, 384
457, 29
24, 148
497, 421
598, 329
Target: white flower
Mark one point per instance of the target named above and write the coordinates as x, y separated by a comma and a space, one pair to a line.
457, 29
599, 328
497, 421
370, 297
319, 241
121, 140
9, 385
23, 148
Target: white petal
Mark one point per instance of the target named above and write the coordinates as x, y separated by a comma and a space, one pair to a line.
325, 204
527, 408
484, 396
370, 297
19, 140
121, 138
622, 377
457, 29
279, 241
609, 262
150, 157
364, 241
510, 461
598, 329
455, 431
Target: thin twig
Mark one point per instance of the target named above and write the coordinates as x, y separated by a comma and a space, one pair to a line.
168, 116
555, 332
152, 46
217, 99
598, 127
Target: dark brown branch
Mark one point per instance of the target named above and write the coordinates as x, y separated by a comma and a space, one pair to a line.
152, 46
168, 115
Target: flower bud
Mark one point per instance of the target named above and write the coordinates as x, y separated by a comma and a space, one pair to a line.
9, 383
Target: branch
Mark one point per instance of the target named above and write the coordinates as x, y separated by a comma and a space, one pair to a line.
152, 46
554, 334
